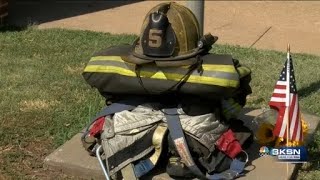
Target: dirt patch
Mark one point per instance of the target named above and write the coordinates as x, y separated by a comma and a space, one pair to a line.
75, 70
25, 161
31, 105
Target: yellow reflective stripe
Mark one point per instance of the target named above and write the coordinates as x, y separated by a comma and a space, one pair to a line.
161, 75
222, 68
216, 67
109, 69
243, 71
107, 58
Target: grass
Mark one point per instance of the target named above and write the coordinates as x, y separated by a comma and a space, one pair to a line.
45, 100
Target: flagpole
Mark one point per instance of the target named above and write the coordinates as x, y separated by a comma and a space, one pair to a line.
288, 97
288, 92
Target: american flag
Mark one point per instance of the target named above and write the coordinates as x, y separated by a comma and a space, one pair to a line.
286, 91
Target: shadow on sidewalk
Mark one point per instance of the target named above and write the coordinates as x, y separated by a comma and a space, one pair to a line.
28, 12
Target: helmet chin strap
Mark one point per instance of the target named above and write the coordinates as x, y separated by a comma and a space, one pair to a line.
204, 45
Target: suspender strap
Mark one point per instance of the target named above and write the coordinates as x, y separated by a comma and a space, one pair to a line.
120, 106
179, 140
114, 108
236, 169
144, 166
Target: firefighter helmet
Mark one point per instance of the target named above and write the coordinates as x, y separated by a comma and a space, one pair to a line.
169, 32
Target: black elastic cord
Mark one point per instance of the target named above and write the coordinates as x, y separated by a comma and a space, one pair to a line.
137, 71
198, 66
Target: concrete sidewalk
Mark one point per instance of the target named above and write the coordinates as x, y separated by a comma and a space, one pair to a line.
263, 25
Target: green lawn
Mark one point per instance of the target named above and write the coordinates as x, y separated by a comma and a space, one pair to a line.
45, 100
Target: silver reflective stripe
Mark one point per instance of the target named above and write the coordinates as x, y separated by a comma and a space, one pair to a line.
153, 68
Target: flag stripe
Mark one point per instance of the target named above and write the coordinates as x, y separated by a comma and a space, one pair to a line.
276, 99
277, 105
283, 124
299, 133
282, 83
279, 91
277, 128
277, 95
280, 86
293, 116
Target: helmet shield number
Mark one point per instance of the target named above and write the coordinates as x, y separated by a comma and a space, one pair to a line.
158, 38
155, 39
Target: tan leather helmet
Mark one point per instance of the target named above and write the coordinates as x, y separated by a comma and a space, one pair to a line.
170, 36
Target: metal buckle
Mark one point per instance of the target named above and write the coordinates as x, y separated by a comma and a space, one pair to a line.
246, 155
238, 174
